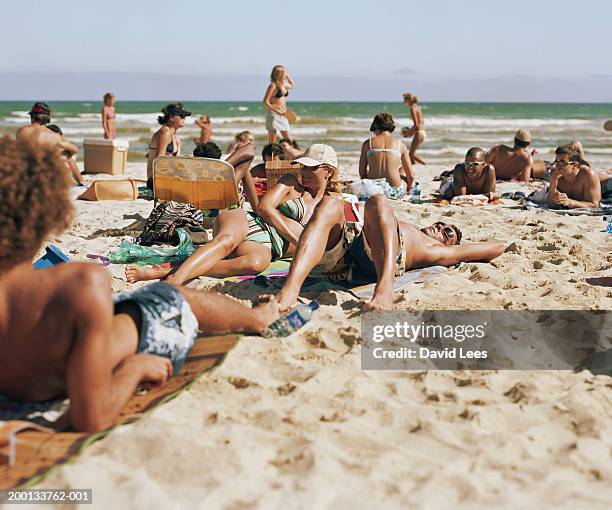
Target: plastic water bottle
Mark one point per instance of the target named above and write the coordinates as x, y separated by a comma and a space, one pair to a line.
416, 193
608, 219
292, 321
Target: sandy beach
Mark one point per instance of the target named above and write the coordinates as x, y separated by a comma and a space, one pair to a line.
296, 423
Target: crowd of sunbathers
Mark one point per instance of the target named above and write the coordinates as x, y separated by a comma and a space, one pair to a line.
63, 332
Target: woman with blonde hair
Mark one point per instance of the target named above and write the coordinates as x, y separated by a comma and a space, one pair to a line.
275, 101
165, 142
245, 243
417, 130
108, 117
240, 139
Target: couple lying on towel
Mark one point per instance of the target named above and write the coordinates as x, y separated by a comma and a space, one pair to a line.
62, 333
307, 221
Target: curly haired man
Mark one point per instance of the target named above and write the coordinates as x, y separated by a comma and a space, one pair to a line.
61, 331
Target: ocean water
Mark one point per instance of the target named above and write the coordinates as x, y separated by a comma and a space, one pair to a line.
452, 128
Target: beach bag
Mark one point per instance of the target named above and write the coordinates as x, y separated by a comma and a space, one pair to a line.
124, 189
163, 221
132, 253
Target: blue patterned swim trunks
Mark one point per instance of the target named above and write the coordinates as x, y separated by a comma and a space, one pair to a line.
168, 327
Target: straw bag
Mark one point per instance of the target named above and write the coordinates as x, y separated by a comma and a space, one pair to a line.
124, 189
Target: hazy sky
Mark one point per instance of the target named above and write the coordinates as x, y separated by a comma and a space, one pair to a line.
355, 50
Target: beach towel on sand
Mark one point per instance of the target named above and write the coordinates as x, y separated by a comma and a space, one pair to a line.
28, 452
605, 207
272, 277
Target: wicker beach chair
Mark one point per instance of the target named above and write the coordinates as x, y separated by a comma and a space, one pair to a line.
275, 169
204, 183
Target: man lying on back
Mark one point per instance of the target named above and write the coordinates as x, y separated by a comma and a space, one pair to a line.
60, 331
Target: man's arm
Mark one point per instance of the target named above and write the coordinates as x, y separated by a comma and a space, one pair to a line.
489, 184
97, 389
451, 255
526, 169
459, 186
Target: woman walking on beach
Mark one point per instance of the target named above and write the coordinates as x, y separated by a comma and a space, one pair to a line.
417, 131
245, 243
165, 142
275, 100
385, 157
108, 117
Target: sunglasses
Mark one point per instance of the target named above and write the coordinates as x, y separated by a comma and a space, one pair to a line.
472, 164
447, 231
561, 163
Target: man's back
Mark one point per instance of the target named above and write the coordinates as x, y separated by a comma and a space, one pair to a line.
510, 163
31, 336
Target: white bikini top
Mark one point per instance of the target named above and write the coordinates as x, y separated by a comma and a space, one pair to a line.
394, 151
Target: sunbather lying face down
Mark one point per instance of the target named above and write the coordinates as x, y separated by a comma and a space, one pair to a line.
60, 331
474, 176
245, 243
385, 248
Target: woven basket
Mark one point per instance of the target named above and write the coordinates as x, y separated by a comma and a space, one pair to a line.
277, 168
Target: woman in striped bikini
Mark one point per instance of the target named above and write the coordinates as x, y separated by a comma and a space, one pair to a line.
244, 242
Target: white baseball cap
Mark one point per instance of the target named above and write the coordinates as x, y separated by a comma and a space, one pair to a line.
319, 154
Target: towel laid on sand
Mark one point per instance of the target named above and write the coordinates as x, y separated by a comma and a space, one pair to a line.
28, 451
605, 207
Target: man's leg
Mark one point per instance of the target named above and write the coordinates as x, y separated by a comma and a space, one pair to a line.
380, 230
221, 314
323, 232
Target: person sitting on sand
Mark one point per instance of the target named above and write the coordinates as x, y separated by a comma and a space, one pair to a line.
472, 177
384, 156
165, 142
205, 125
35, 135
291, 149
417, 130
61, 331
71, 163
272, 151
108, 117
241, 160
245, 243
385, 248
240, 139
573, 183
512, 163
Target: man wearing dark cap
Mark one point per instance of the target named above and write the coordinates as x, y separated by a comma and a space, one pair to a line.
512, 163
37, 136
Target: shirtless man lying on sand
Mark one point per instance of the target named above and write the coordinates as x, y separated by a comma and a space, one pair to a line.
512, 163
61, 332
473, 177
573, 183
386, 248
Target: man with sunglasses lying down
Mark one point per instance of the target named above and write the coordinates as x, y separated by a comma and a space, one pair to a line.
472, 177
384, 249
573, 183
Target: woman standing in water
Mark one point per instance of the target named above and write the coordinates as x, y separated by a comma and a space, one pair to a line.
165, 142
108, 117
417, 131
275, 100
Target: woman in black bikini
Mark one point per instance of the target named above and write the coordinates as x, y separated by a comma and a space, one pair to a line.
275, 100
165, 142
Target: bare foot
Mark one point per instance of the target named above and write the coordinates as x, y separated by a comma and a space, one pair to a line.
287, 299
382, 300
267, 310
135, 273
